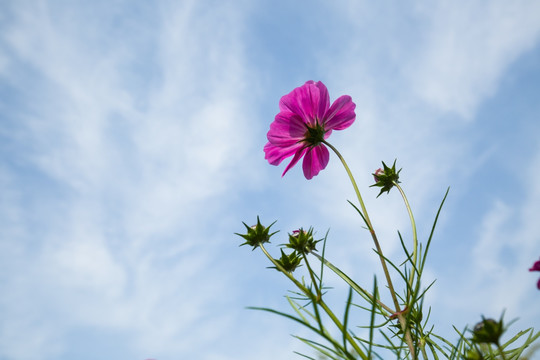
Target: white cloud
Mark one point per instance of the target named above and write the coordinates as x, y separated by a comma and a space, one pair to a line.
487, 251
135, 181
465, 49
508, 244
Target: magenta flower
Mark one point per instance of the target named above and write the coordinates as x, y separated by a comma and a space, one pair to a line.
536, 266
304, 121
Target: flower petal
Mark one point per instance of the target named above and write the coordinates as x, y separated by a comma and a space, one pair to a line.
315, 160
324, 100
536, 266
310, 101
276, 154
299, 153
287, 129
327, 134
341, 114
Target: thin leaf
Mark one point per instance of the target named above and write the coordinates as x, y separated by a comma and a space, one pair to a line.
372, 319
359, 290
346, 317
360, 212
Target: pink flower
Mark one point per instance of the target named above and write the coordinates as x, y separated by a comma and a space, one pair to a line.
304, 121
378, 172
536, 266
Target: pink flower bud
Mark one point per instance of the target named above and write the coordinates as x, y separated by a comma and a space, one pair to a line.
376, 174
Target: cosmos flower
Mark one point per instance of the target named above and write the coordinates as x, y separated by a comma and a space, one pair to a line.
536, 267
304, 121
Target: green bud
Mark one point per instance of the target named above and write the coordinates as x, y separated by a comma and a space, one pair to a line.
488, 331
474, 354
256, 234
288, 262
302, 241
386, 178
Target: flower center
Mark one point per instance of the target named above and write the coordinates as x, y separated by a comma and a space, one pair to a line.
314, 135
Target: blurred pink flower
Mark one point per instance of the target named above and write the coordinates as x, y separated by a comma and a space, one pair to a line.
305, 119
378, 172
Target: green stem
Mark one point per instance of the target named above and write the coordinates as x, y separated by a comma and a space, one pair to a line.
423, 350
401, 318
320, 302
415, 236
501, 351
353, 181
370, 227
311, 274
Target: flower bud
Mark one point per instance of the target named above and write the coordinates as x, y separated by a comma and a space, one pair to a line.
302, 241
256, 234
288, 262
488, 331
474, 354
386, 178
377, 173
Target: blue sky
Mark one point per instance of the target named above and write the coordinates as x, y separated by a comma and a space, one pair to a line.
131, 151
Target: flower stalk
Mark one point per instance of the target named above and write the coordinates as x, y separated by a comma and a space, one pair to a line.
415, 239
365, 215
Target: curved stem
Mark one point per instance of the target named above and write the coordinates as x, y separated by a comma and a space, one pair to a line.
370, 227
415, 236
401, 318
353, 181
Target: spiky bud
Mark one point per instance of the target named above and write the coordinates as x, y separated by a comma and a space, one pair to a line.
386, 178
302, 241
257, 234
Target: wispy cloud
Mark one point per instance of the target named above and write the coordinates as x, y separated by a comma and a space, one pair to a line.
466, 48
508, 244
127, 138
